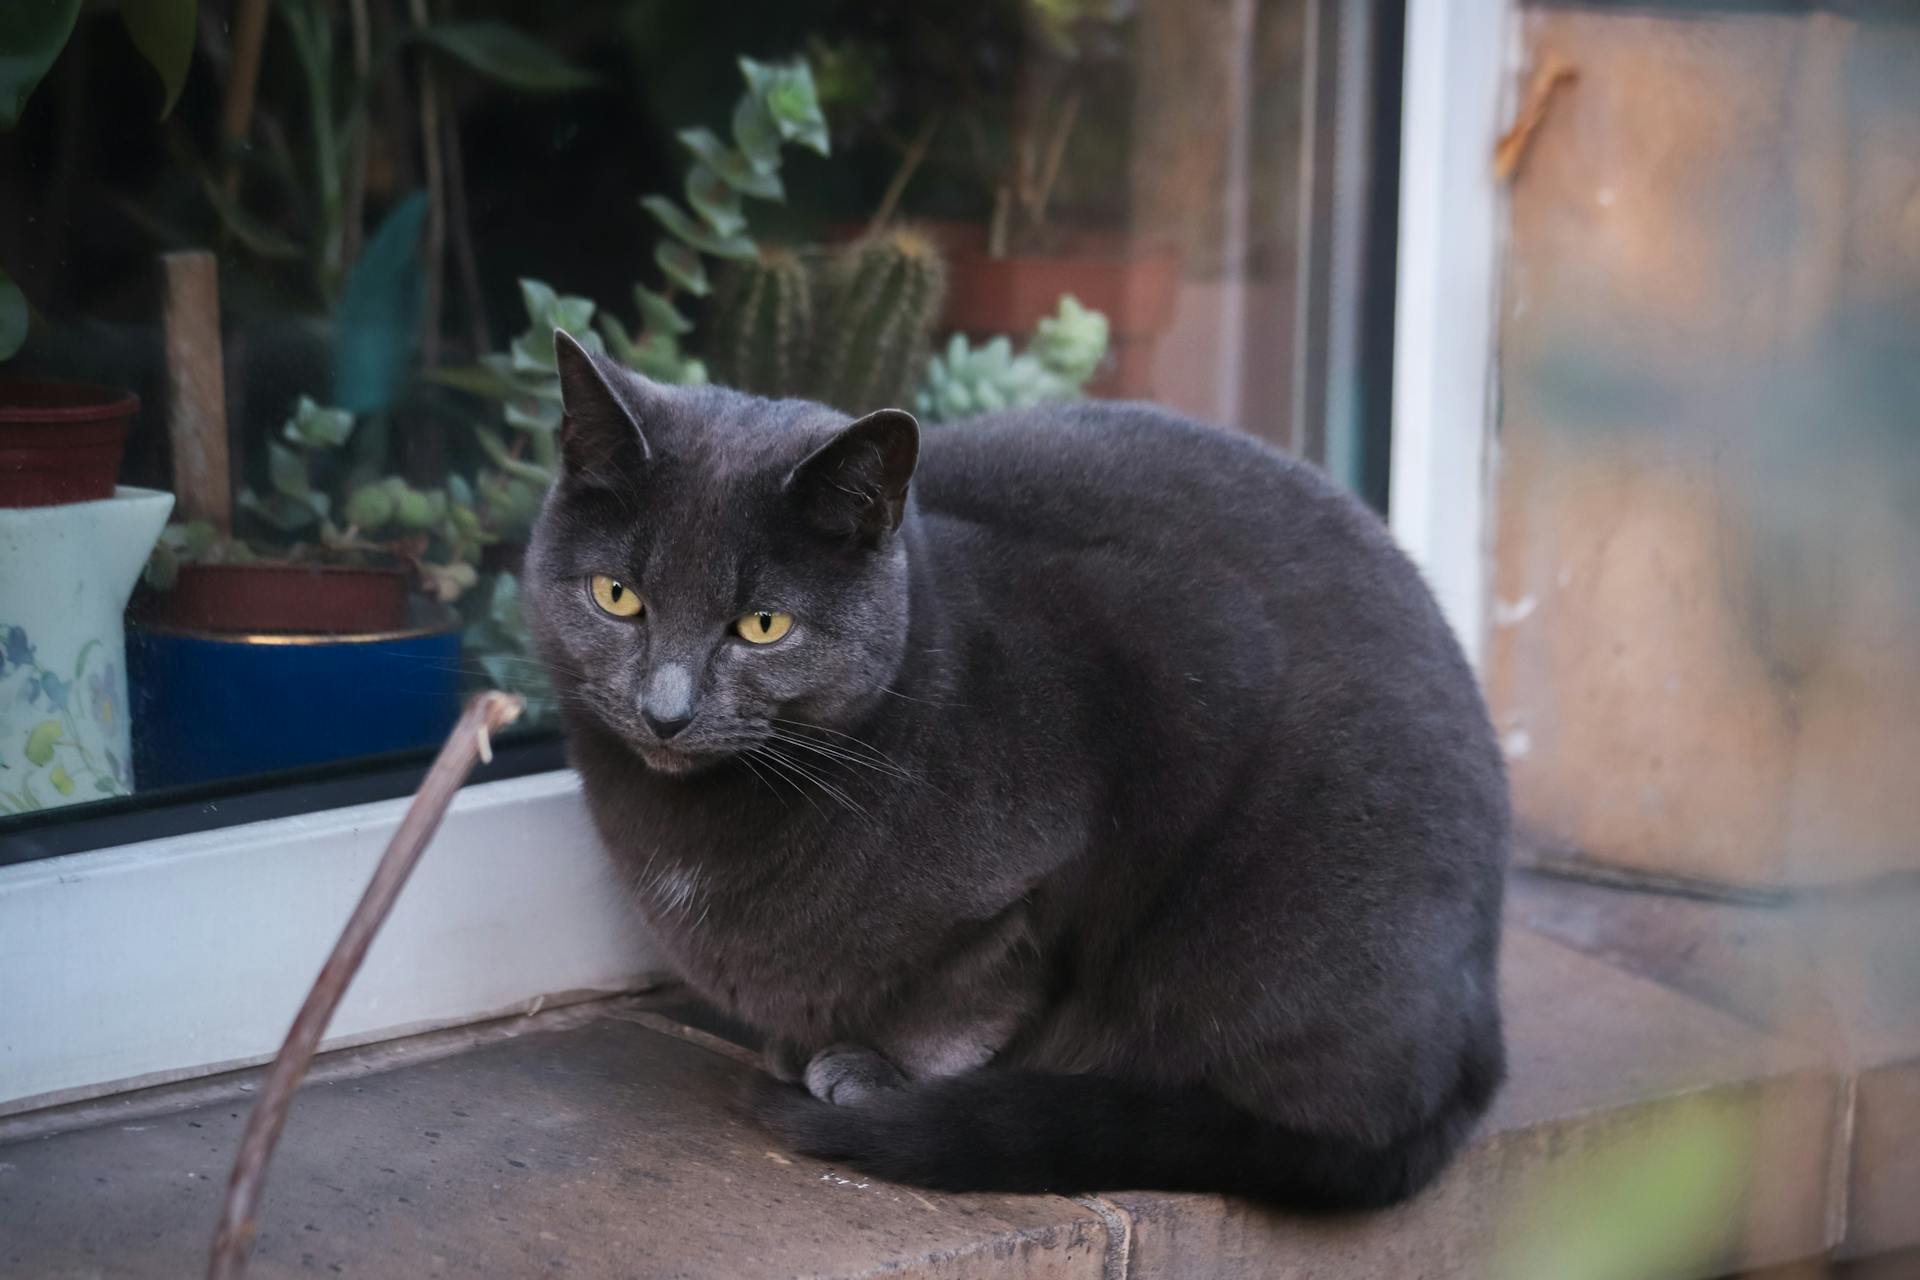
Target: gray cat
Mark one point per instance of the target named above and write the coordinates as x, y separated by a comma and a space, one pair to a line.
1076, 798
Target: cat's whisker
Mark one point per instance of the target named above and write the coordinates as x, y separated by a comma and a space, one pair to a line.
878, 754
751, 768
831, 752
836, 793
779, 771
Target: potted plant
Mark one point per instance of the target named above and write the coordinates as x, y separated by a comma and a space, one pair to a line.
328, 632
1002, 100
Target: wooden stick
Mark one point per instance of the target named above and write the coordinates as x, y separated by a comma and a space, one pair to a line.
469, 741
197, 389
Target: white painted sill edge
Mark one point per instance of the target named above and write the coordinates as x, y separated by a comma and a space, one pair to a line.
175, 958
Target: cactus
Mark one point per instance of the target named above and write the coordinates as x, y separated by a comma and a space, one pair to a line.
762, 324
883, 296
1064, 352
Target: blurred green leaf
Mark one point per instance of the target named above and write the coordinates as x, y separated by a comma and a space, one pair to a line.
478, 380
32, 34
678, 222
791, 101
508, 55
377, 321
315, 427
683, 267
13, 317
659, 315
164, 32
733, 167
256, 235
715, 201
755, 133
288, 471
1657, 1200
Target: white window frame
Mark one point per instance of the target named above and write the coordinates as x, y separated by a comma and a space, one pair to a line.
173, 958
1458, 72
183, 956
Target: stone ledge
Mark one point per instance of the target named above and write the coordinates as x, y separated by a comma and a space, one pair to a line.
607, 1147
1837, 971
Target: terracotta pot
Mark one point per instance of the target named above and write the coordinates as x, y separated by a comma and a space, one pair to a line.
1135, 285
60, 442
282, 597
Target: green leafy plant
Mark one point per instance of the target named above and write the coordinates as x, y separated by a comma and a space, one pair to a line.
34, 32
1062, 355
319, 508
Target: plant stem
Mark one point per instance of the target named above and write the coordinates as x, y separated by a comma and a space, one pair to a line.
909, 165
353, 204
236, 116
460, 224
436, 251
1050, 171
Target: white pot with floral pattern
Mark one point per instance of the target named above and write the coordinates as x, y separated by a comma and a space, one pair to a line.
66, 573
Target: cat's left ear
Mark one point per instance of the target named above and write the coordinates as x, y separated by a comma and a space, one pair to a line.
855, 485
600, 431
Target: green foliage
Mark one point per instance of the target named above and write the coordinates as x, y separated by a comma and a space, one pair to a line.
1653, 1201
883, 298
163, 31
497, 637
1072, 342
32, 34
763, 324
376, 323
503, 53
1062, 356
319, 509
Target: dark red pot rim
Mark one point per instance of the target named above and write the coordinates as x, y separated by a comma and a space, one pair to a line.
44, 400
295, 567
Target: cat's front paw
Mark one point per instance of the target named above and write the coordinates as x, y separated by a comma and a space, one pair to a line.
847, 1075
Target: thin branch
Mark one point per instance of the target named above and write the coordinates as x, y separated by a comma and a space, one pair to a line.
436, 195
1056, 152
236, 115
354, 201
470, 741
460, 228
909, 165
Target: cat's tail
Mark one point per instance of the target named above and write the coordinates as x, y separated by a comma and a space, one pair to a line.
1002, 1130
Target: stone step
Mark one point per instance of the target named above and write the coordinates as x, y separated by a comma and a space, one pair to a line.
1838, 971
600, 1141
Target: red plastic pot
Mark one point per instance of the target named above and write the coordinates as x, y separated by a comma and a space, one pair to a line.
280, 597
60, 441
1136, 286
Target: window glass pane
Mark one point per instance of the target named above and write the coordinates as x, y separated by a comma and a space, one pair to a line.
286, 273
1705, 656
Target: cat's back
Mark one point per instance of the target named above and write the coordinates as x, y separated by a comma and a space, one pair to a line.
1217, 517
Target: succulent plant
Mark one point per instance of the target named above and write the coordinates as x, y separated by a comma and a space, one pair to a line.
883, 295
1065, 351
761, 333
1072, 342
317, 510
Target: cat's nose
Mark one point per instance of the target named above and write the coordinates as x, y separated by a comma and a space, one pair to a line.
665, 727
668, 703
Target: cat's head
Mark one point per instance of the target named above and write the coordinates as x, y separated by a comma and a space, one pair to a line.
712, 568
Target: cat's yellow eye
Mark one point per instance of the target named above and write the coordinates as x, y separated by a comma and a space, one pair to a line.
764, 627
614, 597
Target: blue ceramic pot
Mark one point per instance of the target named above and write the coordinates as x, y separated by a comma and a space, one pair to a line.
218, 705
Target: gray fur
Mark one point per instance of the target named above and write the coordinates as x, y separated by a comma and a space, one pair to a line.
1135, 750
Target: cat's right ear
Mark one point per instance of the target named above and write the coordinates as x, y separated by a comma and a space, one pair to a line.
600, 433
